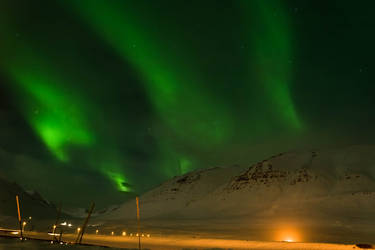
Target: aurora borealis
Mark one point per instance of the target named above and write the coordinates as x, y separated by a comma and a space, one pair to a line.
117, 96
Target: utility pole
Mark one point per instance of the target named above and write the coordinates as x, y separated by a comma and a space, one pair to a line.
19, 216
56, 223
82, 231
60, 236
139, 224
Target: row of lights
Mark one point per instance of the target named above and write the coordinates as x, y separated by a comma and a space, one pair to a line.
97, 231
131, 235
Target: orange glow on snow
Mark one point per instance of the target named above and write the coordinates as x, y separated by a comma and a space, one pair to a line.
288, 234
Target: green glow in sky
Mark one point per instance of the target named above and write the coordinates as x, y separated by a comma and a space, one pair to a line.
123, 95
116, 89
112, 165
271, 41
185, 165
119, 180
175, 89
53, 112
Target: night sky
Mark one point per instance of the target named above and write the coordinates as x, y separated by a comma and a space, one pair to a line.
101, 100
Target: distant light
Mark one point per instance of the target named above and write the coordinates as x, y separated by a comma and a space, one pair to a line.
54, 226
143, 235
78, 229
137, 235
14, 232
112, 233
69, 225
24, 223
123, 233
54, 234
288, 240
97, 231
148, 235
131, 234
63, 224
30, 217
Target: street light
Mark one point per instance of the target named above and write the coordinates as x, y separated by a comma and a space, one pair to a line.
23, 225
53, 229
97, 231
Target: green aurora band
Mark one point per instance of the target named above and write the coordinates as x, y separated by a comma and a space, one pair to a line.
270, 38
54, 111
172, 83
58, 112
175, 90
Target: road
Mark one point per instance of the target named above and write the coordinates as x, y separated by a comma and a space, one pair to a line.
179, 242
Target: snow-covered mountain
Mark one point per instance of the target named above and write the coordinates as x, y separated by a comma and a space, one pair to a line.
317, 190
179, 193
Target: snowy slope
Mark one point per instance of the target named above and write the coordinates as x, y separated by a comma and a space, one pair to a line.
173, 196
298, 176
330, 191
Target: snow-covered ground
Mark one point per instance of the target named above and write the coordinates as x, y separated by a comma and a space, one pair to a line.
16, 244
169, 243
